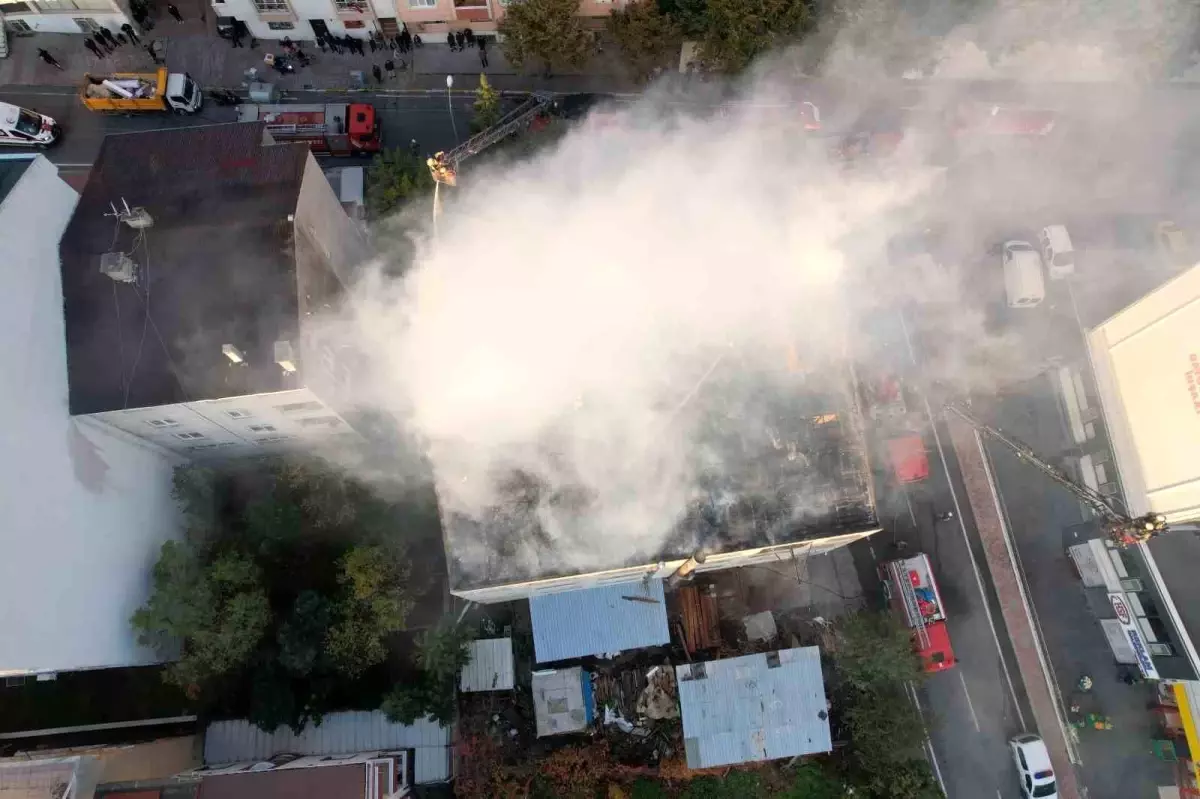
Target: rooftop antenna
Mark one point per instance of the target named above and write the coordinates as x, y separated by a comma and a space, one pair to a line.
137, 218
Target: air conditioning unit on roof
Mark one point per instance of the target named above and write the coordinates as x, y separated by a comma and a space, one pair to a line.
119, 267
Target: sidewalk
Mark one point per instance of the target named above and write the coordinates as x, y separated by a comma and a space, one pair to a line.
194, 47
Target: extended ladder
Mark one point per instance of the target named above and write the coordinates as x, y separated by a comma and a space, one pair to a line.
909, 597
509, 124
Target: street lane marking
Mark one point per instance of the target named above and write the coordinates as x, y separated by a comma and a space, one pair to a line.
970, 704
937, 770
912, 516
872, 549
962, 526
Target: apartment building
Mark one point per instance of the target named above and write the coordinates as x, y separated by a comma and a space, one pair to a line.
431, 19
61, 16
194, 270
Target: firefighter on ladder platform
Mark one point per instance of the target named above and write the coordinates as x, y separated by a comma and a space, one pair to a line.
442, 170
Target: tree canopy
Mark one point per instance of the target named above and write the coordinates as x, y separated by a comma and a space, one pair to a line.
395, 177
648, 38
487, 106
441, 654
738, 31
288, 598
546, 33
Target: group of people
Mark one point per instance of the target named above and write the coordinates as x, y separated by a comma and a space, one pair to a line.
104, 42
402, 43
461, 40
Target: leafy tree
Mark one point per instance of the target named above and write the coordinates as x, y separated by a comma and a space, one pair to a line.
873, 664
908, 779
648, 38
441, 654
288, 600
394, 178
217, 611
690, 15
487, 106
738, 31
545, 31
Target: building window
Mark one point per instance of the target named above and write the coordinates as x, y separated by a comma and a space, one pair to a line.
262, 428
238, 413
293, 407
315, 421
351, 5
422, 3
272, 439
73, 5
161, 423
271, 6
185, 436
280, 26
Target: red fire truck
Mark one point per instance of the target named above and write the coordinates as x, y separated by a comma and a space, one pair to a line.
335, 129
912, 591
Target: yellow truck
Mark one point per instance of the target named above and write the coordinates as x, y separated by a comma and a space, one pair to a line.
135, 92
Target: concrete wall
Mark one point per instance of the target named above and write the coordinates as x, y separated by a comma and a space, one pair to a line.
94, 13
256, 424
83, 509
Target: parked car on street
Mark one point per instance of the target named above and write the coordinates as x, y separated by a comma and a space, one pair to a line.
1032, 760
1023, 281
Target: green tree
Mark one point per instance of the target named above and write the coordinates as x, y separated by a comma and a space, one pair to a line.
738, 31
301, 638
873, 665
547, 32
648, 39
690, 15
487, 106
216, 613
394, 178
441, 654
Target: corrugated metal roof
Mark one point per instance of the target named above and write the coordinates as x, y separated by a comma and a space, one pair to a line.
338, 734
593, 621
744, 710
491, 666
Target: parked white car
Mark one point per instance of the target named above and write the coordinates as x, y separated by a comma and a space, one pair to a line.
1023, 280
1033, 767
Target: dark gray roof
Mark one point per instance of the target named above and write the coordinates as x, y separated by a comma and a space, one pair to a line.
11, 169
217, 267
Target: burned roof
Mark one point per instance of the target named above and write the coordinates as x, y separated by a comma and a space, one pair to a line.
215, 267
799, 472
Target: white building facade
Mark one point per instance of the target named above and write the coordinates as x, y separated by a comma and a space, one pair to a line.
61, 16
84, 508
432, 19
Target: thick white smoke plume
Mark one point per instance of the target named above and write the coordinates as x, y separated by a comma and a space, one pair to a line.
615, 318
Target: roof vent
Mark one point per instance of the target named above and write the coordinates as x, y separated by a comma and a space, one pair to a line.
233, 353
139, 219
119, 267
285, 357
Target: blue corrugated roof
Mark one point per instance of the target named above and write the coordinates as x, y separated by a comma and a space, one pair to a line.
741, 709
593, 621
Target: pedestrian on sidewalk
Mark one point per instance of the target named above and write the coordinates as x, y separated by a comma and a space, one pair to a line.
377, 72
125, 26
417, 43
96, 51
321, 43
483, 59
390, 66
174, 12
414, 149
99, 42
469, 35
108, 37
406, 41
372, 42
121, 40
450, 41
460, 40
49, 59
153, 55
236, 41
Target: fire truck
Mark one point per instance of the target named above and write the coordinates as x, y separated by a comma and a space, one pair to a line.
912, 591
335, 129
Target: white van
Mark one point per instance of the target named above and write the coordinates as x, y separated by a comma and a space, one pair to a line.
1057, 251
1023, 280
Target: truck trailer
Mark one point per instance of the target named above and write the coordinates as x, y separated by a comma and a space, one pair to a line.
138, 92
334, 129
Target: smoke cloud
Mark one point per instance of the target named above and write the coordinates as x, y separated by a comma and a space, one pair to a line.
670, 291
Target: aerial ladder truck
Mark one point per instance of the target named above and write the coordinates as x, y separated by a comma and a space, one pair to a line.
444, 165
1121, 529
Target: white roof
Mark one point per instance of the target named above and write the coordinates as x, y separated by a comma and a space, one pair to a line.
1146, 361
491, 666
84, 509
562, 701
337, 734
8, 114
